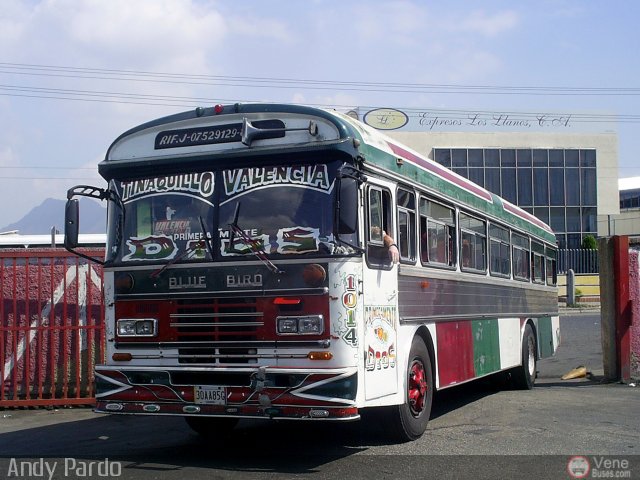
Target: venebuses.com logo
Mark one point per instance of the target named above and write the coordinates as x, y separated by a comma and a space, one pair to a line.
580, 466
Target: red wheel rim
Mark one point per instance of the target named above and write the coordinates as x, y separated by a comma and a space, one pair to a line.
417, 388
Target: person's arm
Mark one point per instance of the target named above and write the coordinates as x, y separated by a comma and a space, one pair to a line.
389, 242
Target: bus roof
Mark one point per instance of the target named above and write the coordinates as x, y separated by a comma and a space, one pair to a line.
219, 132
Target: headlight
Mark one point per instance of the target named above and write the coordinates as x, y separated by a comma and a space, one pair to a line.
138, 327
306, 325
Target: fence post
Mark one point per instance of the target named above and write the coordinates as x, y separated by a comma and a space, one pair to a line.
607, 308
615, 307
623, 306
571, 287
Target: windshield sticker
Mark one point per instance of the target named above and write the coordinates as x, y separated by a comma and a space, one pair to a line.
160, 247
380, 337
298, 240
197, 249
201, 184
242, 180
241, 246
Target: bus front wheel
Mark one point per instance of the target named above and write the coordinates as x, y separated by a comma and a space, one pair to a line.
409, 420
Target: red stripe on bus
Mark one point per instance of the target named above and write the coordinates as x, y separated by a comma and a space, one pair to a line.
527, 216
441, 171
455, 352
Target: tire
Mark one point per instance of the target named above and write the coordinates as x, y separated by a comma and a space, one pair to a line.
408, 421
524, 376
211, 427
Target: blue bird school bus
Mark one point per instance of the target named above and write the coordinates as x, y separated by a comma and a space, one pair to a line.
287, 262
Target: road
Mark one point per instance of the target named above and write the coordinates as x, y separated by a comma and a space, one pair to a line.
475, 430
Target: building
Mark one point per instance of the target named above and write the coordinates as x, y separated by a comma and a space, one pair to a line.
628, 221
568, 181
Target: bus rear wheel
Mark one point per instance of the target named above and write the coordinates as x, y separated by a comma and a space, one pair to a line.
409, 420
524, 376
211, 427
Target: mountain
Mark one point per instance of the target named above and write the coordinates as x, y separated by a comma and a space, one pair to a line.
50, 213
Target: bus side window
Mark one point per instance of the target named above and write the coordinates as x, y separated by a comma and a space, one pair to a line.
379, 224
521, 257
552, 274
473, 243
406, 225
437, 233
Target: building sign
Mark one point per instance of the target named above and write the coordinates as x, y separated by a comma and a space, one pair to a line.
460, 120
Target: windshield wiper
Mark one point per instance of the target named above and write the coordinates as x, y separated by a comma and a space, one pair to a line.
253, 245
207, 238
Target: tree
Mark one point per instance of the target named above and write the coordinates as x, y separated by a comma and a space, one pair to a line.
589, 242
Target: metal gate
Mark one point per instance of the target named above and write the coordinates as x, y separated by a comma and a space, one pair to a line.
51, 327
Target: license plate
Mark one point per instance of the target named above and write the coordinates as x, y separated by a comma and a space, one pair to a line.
210, 395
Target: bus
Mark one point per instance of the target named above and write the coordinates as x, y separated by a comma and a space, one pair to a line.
273, 261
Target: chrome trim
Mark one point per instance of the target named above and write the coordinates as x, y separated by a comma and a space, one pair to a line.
230, 294
212, 314
445, 318
218, 324
235, 343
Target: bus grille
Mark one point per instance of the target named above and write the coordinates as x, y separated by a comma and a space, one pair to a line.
227, 322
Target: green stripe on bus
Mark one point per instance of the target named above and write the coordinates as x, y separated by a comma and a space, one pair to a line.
486, 346
545, 337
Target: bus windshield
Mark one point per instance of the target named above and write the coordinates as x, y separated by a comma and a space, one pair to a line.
281, 211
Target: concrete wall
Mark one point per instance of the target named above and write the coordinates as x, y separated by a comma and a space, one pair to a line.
627, 223
589, 286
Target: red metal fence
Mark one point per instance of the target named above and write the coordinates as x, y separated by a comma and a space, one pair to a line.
51, 327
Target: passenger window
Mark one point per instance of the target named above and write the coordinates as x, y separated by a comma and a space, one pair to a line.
552, 274
437, 234
406, 225
521, 263
537, 262
473, 244
499, 251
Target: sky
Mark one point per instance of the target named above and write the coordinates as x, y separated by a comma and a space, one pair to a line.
75, 74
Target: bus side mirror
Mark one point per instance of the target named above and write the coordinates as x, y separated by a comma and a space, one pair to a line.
71, 223
348, 210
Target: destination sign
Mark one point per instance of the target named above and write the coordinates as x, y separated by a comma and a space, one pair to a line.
214, 134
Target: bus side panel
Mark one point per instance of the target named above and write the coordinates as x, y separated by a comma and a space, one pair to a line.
545, 337
510, 342
486, 346
455, 352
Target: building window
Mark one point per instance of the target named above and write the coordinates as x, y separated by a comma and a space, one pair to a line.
557, 185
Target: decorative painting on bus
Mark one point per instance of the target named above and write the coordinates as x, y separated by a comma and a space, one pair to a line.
298, 240
380, 337
345, 324
242, 180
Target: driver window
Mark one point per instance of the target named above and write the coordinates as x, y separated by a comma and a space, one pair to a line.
379, 226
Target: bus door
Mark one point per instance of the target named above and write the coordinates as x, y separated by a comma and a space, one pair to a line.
380, 289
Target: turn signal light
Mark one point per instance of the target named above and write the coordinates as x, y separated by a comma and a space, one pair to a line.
286, 301
320, 355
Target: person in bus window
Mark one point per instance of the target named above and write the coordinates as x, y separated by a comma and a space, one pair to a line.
388, 241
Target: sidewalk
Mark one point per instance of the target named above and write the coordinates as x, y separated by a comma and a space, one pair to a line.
593, 308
